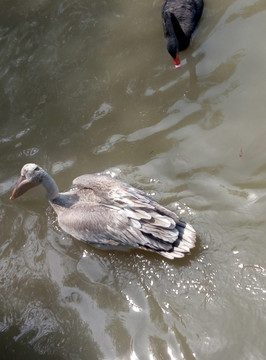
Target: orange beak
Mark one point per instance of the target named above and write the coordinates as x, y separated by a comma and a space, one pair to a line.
21, 187
177, 61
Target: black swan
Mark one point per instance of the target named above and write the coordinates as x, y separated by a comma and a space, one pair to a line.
180, 18
106, 212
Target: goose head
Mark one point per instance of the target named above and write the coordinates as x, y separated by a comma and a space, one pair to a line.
31, 176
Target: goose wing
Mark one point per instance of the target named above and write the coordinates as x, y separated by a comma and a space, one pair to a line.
103, 225
118, 214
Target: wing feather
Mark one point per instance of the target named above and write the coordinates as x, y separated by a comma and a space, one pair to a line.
110, 212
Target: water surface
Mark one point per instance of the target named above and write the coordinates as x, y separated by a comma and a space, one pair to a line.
88, 86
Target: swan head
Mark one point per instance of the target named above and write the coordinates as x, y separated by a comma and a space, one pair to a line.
31, 176
172, 47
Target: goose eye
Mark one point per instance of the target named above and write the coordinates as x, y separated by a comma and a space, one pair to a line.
37, 168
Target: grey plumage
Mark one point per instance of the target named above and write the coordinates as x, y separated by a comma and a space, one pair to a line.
106, 212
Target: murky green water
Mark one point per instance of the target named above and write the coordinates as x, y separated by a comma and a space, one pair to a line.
88, 86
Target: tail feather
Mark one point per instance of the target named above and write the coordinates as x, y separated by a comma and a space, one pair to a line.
184, 244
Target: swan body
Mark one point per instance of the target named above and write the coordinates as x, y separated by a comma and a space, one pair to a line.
106, 212
180, 18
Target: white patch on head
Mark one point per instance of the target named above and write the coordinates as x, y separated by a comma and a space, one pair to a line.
31, 171
28, 168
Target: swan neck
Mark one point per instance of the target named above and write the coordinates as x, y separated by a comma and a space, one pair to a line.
176, 38
50, 186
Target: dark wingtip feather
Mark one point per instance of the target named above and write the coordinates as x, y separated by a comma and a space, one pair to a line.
187, 241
